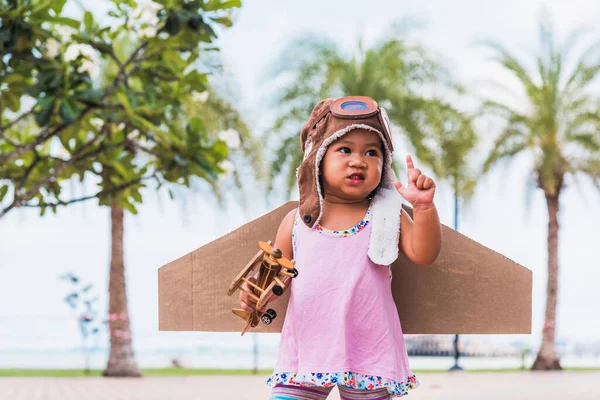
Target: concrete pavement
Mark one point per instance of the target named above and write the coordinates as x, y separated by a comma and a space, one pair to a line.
461, 385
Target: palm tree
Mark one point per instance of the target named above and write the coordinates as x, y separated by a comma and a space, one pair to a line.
560, 128
393, 72
446, 148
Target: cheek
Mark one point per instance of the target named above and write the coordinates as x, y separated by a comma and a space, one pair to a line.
377, 165
331, 161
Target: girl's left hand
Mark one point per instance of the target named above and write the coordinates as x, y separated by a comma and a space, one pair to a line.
420, 189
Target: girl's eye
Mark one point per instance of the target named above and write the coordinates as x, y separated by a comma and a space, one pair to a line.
345, 150
372, 153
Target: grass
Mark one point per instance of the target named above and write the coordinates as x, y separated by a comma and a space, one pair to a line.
75, 373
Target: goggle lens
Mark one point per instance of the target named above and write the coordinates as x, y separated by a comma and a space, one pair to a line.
354, 105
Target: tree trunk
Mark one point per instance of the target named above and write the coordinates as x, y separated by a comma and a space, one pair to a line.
547, 358
121, 361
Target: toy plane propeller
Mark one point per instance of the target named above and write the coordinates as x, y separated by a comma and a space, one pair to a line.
274, 268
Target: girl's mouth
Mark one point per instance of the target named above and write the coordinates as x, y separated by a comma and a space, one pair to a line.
356, 178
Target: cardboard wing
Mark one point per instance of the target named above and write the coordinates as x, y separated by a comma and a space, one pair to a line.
469, 289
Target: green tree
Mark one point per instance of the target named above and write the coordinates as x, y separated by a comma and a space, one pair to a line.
394, 72
138, 123
560, 129
52, 108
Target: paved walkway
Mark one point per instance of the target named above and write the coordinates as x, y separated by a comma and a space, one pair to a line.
461, 385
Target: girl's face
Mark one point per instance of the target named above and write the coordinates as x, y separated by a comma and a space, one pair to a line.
352, 166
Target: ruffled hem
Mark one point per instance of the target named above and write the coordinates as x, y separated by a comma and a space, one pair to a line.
348, 379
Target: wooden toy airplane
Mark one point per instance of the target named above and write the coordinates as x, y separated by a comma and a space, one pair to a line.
273, 268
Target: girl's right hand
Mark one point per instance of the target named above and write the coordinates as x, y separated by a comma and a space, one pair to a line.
283, 241
247, 303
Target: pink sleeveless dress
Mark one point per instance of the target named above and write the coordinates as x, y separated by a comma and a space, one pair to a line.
342, 325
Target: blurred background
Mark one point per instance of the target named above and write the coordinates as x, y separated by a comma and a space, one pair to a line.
176, 122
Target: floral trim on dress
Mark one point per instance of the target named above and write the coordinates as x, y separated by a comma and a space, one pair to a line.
348, 379
348, 232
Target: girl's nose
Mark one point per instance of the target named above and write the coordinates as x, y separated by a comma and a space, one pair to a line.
357, 162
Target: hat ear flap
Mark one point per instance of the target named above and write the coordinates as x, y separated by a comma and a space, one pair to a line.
311, 138
310, 204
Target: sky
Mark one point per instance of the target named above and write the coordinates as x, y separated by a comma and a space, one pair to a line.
503, 215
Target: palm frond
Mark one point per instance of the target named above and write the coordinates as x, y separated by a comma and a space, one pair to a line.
283, 156
508, 144
588, 166
571, 42
296, 160
303, 49
582, 122
586, 70
510, 62
586, 140
574, 105
494, 107
466, 187
393, 72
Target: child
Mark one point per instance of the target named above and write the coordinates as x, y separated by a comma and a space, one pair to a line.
342, 326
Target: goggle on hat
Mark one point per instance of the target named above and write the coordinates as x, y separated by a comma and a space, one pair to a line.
356, 108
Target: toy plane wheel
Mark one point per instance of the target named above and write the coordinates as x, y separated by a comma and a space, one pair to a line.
278, 290
272, 313
295, 272
266, 319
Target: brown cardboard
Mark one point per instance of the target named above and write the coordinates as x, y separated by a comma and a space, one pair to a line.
469, 289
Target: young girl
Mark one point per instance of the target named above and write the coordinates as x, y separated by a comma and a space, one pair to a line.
342, 326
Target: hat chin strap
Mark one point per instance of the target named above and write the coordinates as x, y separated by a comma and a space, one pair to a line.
386, 207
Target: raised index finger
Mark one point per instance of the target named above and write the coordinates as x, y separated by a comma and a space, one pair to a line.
409, 163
